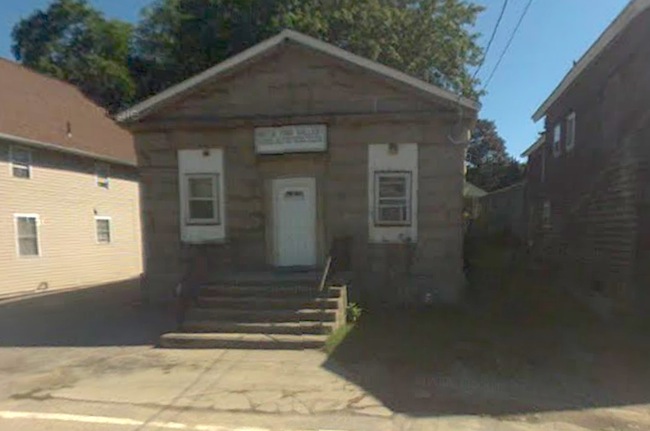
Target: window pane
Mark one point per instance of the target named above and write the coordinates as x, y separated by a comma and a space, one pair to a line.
20, 156
392, 187
21, 171
28, 246
103, 231
200, 187
201, 210
392, 202
26, 227
392, 214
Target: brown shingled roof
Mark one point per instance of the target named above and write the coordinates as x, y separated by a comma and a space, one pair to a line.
39, 108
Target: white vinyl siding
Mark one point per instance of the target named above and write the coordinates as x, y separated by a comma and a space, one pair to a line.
63, 192
21, 162
393, 198
570, 131
27, 241
103, 229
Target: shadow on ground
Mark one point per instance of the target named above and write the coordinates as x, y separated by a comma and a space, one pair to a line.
462, 362
105, 315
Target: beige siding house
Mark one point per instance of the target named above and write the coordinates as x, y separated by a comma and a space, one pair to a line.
294, 151
69, 191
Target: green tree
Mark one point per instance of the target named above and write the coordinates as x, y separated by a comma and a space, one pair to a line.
179, 38
490, 167
72, 41
429, 39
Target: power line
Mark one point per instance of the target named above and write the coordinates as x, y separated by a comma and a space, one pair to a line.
505, 50
494, 33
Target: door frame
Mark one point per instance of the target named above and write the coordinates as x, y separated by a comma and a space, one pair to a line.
277, 184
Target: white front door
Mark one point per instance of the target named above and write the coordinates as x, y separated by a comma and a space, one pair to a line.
294, 201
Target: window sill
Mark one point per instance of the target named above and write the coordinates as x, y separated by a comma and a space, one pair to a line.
207, 242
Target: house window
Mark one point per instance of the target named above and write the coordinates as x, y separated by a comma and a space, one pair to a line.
570, 131
393, 198
102, 174
546, 214
557, 136
21, 162
27, 235
203, 199
103, 228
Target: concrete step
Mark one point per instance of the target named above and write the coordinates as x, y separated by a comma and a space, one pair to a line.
250, 316
259, 291
265, 303
241, 341
294, 328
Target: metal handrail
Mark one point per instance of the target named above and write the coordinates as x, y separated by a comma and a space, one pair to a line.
326, 273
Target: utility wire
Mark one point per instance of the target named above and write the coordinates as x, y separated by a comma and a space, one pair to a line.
494, 33
505, 50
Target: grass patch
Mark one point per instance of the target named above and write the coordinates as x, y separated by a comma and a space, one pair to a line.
337, 337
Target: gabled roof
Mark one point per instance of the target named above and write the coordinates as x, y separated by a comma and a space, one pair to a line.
631, 11
530, 150
45, 112
154, 103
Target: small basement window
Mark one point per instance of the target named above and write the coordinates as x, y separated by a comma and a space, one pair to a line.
571, 131
393, 198
102, 174
21, 162
27, 235
203, 199
103, 228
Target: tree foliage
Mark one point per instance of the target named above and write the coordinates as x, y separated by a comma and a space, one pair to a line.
72, 41
179, 38
490, 167
429, 39
175, 39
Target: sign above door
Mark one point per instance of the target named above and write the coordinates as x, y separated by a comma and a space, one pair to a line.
308, 138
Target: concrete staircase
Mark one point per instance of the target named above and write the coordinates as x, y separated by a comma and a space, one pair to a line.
255, 314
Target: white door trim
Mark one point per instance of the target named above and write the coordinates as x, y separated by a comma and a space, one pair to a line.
282, 255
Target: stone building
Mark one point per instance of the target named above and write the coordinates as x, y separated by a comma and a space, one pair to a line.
295, 150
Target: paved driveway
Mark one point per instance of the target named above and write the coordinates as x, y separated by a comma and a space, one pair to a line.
86, 360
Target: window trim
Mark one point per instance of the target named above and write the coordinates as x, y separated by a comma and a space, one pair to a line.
98, 180
216, 199
110, 230
409, 198
39, 249
13, 165
571, 127
556, 143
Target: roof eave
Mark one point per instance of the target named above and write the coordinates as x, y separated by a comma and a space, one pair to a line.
530, 150
631, 11
64, 149
148, 106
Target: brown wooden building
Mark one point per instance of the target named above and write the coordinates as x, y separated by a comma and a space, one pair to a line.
295, 148
588, 185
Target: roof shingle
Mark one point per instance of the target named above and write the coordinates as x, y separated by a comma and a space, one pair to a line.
39, 108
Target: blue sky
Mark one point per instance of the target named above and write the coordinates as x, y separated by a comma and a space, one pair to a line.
554, 34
